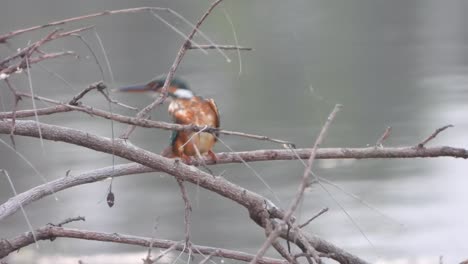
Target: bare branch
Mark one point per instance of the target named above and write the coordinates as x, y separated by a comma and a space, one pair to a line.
433, 135
22, 65
48, 232
148, 259
76, 98
304, 183
384, 136
188, 211
69, 220
253, 202
15, 107
12, 205
308, 169
11, 34
145, 111
62, 108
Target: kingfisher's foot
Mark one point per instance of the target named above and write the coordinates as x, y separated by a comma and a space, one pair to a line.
186, 159
212, 156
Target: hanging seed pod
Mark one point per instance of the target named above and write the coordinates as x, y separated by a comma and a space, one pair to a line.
110, 199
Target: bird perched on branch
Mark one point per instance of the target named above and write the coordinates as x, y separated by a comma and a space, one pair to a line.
186, 108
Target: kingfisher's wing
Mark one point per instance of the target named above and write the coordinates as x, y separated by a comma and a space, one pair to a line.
214, 108
174, 135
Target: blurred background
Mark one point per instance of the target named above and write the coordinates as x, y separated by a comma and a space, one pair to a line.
402, 64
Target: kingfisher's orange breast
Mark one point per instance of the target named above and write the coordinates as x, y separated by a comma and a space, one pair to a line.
194, 111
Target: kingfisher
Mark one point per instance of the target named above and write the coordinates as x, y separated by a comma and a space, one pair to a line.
185, 108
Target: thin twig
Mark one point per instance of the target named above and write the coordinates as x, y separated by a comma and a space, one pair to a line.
433, 135
360, 200
194, 135
273, 232
100, 87
22, 65
324, 210
93, 86
384, 136
36, 171
256, 174
28, 71
283, 252
129, 120
305, 178
207, 258
145, 111
223, 47
11, 34
175, 29
313, 152
236, 41
93, 54
110, 100
35, 239
30, 49
69, 220
47, 232
17, 98
27, 51
148, 259
188, 211
167, 251
201, 33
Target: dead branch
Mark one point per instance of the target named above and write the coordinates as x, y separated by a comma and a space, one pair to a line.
304, 183
188, 211
433, 135
5, 37
253, 202
63, 108
308, 169
8, 246
183, 49
94, 86
384, 136
12, 205
69, 220
150, 247
28, 51
22, 65
17, 98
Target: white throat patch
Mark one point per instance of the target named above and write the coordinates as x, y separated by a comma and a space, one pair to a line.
183, 93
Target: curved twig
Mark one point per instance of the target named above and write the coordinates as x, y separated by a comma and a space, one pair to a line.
52, 232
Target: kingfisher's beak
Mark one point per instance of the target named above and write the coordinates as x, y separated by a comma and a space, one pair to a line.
135, 88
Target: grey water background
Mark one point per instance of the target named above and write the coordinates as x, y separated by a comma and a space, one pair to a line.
390, 63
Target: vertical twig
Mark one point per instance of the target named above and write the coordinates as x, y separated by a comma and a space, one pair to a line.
183, 49
188, 210
300, 192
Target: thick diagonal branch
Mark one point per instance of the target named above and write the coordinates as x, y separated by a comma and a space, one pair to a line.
253, 202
